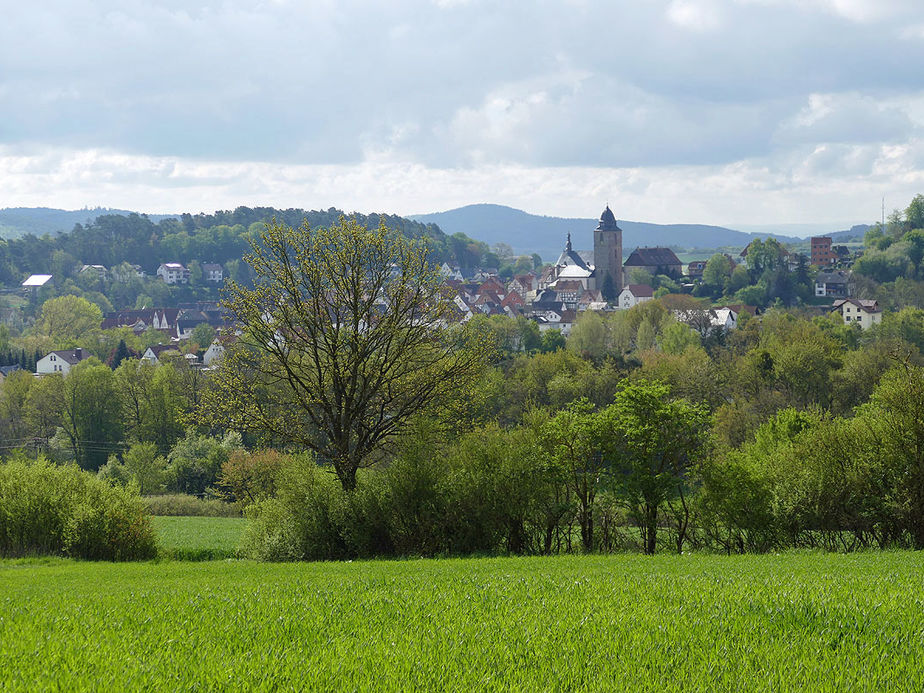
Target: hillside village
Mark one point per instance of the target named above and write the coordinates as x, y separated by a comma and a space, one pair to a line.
553, 296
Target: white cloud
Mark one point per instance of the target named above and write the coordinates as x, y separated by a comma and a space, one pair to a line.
187, 104
822, 184
696, 15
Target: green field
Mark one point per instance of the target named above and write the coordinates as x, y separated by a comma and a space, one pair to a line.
198, 538
677, 623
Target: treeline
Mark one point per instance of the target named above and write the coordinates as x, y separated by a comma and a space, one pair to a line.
222, 237
639, 432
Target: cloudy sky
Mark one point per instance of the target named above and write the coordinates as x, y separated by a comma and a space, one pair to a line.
735, 112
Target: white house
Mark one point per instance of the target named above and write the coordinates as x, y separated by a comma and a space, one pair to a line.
212, 272
857, 311
725, 318
562, 320
633, 294
152, 354
173, 273
213, 353
60, 361
99, 270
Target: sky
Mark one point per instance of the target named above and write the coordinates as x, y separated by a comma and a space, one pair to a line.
742, 113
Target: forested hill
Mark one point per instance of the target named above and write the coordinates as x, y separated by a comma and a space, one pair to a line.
528, 233
137, 239
20, 221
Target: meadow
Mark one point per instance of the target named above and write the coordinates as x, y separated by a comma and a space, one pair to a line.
619, 622
198, 538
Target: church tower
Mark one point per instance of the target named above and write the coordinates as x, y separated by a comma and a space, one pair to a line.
608, 256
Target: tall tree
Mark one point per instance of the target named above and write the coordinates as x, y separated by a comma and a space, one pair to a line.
69, 321
345, 339
91, 414
652, 441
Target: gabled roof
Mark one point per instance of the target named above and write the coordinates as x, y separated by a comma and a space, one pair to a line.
652, 257
72, 356
831, 278
869, 305
211, 267
640, 290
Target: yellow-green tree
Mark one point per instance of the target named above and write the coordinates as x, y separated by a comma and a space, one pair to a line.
346, 337
69, 321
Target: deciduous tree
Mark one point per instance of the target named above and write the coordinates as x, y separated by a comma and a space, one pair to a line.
345, 339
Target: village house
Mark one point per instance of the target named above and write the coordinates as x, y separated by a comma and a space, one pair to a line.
562, 320
696, 268
633, 294
99, 270
857, 311
60, 361
832, 284
212, 272
153, 353
822, 254
173, 273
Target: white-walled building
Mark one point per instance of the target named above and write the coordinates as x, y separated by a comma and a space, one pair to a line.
212, 272
633, 294
856, 311
213, 353
173, 273
60, 361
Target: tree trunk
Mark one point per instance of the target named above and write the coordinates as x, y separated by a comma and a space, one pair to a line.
651, 530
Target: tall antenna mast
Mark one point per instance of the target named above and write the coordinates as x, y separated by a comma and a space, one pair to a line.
883, 212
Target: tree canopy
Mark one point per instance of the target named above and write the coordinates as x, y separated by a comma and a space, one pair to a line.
345, 340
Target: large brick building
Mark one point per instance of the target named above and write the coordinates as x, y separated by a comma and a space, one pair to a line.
822, 254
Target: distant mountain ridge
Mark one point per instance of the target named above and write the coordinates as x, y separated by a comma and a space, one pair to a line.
19, 221
531, 233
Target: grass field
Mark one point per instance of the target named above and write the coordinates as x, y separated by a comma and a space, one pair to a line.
198, 538
710, 623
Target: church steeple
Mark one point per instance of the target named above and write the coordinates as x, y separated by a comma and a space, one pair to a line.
608, 255
568, 244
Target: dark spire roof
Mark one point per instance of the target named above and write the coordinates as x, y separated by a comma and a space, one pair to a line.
607, 221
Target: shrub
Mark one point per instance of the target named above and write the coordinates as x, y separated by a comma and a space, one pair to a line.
247, 478
313, 518
180, 504
46, 509
195, 461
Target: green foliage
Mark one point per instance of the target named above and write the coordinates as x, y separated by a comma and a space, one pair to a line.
344, 342
141, 465
248, 478
195, 462
717, 271
180, 504
46, 509
651, 441
69, 321
90, 412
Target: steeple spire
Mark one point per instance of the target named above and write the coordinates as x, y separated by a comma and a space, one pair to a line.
568, 244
